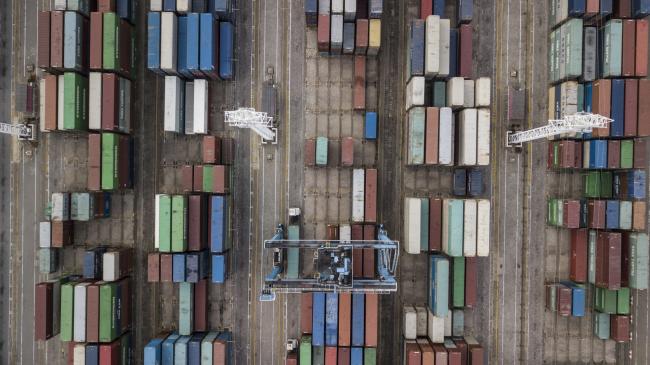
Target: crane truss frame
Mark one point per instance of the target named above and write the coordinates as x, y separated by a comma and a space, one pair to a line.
249, 118
578, 122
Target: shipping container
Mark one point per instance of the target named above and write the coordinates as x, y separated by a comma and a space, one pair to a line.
359, 96
415, 47
306, 304
370, 126
331, 319
620, 328
168, 42
438, 296
218, 227
318, 319
432, 45
173, 113
452, 227
323, 31
412, 225
358, 319
469, 227
361, 39
446, 137
370, 200
321, 151
416, 136
358, 195
638, 275
415, 92
371, 318
219, 269
467, 130
612, 54
435, 326
457, 284
374, 36
62, 233
336, 34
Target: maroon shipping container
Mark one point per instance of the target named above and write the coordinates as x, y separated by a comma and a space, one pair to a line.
292, 359
571, 212
166, 267
62, 233
198, 178
471, 282
44, 39
462, 346
563, 300
94, 162
455, 357
221, 179
125, 43
568, 151
362, 9
641, 48
578, 263
347, 151
608, 260
619, 328
187, 178
51, 93
435, 224
331, 354
153, 267
359, 95
43, 311
361, 46
310, 152
629, 40
613, 154
345, 318
92, 313
106, 6
372, 304
596, 214
201, 305
110, 101
440, 353
356, 233
306, 305
577, 162
412, 353
370, 207
332, 232
323, 33
431, 137
465, 51
644, 108
368, 253
344, 356
56, 39
601, 103
70, 359
426, 9
227, 151
476, 355
623, 9
124, 157
197, 227
625, 260
631, 107
639, 153
211, 150
109, 353
96, 40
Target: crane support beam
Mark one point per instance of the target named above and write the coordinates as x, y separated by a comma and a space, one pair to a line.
579, 122
22, 131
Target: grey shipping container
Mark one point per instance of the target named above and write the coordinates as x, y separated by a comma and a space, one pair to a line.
376, 8
348, 38
336, 34
589, 58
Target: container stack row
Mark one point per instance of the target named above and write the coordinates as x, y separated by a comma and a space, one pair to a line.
419, 350
110, 161
324, 152
209, 348
623, 215
597, 154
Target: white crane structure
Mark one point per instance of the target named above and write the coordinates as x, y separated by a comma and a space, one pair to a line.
259, 122
22, 131
578, 122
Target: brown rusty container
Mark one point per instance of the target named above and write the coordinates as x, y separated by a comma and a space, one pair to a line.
187, 178
92, 313
476, 355
638, 215
372, 304
94, 161
43, 40
440, 353
211, 150
56, 39
471, 282
331, 353
619, 328
431, 136
124, 161
608, 260
361, 46
306, 305
359, 95
577, 162
596, 214
571, 212
292, 358
332, 233
435, 224
106, 6
310, 152
370, 207
96, 40
465, 51
629, 40
568, 154
125, 42
368, 253
613, 154
219, 350
639, 153
110, 101
563, 300
428, 356
462, 346
412, 353
641, 62
356, 234
221, 179
197, 226
602, 103
345, 318
61, 233
198, 178
344, 356
51, 94
201, 305
625, 259
578, 263
166, 267
153, 267
227, 151
347, 151
631, 107
43, 311
323, 35
455, 357
623, 9
644, 108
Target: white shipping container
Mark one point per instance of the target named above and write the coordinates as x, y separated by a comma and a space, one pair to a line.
337, 6
551, 103
81, 207
446, 137
468, 94
79, 354
323, 8
432, 46
110, 265
436, 328
445, 27
412, 223
95, 101
448, 325
173, 99
415, 92
156, 233
568, 99
358, 194
350, 12
483, 227
41, 104
482, 87
345, 232
445, 225
469, 228
189, 107
156, 5
59, 102
421, 313
336, 31
200, 106
467, 137
182, 6
455, 92
60, 4
561, 10
168, 33
60, 206
483, 137
45, 234
125, 105
410, 322
79, 321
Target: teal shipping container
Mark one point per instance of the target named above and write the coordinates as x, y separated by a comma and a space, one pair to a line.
458, 322
638, 260
601, 325
458, 282
424, 224
321, 151
439, 285
613, 48
185, 308
452, 229
625, 215
293, 254
415, 148
572, 36
318, 355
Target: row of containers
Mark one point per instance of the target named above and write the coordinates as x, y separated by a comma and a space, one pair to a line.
187, 267
346, 27
186, 106
454, 351
110, 161
221, 9
455, 93
192, 46
325, 152
597, 154
456, 227
621, 215
205, 348
594, 10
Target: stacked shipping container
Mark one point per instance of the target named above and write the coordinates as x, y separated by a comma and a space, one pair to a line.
212, 347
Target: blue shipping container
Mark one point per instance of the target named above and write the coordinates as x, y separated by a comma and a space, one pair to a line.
153, 41
219, 269
208, 39
612, 213
72, 49
226, 40
220, 8
375, 8
331, 319
606, 8
125, 10
178, 268
453, 52
358, 319
475, 183
311, 12
558, 99
192, 267
93, 263
616, 128
356, 356
636, 184
577, 299
152, 352
318, 320
439, 285
92, 354
199, 6
218, 212
182, 47
169, 5
459, 184
598, 154
370, 130
439, 8
640, 8
466, 11
192, 48
195, 348
416, 48
168, 349
576, 8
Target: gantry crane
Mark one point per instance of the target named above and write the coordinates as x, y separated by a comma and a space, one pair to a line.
22, 131
578, 122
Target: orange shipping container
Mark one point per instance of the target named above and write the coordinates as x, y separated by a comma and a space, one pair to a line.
641, 62
359, 96
306, 304
347, 151
644, 108
372, 304
427, 351
345, 318
601, 103
361, 46
638, 215
431, 139
50, 101
331, 354
370, 209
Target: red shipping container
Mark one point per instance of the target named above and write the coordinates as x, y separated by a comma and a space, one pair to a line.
165, 267
56, 39
219, 349
211, 150
106, 6
227, 151
356, 233
361, 46
428, 356
631, 107
623, 9
201, 305
639, 153
368, 253
197, 226
608, 260
323, 33
331, 354
347, 151
592, 8
51, 93
571, 212
43, 39
62, 233
465, 51
455, 357
577, 162
345, 318
306, 305
198, 178
613, 154
426, 8
638, 215
644, 109
435, 224
96, 40
567, 154
153, 267
563, 300
412, 353
221, 179
578, 263
110, 101
596, 214
431, 137
310, 152
372, 304
92, 313
370, 207
440, 353
344, 356
462, 346
332, 233
471, 282
625, 260
359, 97
292, 359
641, 48
601, 104
619, 328
629, 40
476, 355
187, 178
94, 161
43, 325
109, 353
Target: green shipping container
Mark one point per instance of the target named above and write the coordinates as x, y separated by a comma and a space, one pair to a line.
293, 254
48, 260
613, 47
551, 212
606, 186
625, 215
592, 258
208, 178
560, 212
627, 154
623, 301
67, 312
424, 225
639, 261
439, 94
605, 300
165, 220
592, 184
553, 297
109, 161
75, 102
179, 223
318, 355
321, 151
305, 350
458, 282
556, 154
110, 44
601, 325
370, 356
109, 312
185, 308
551, 53
415, 148
572, 31
454, 226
